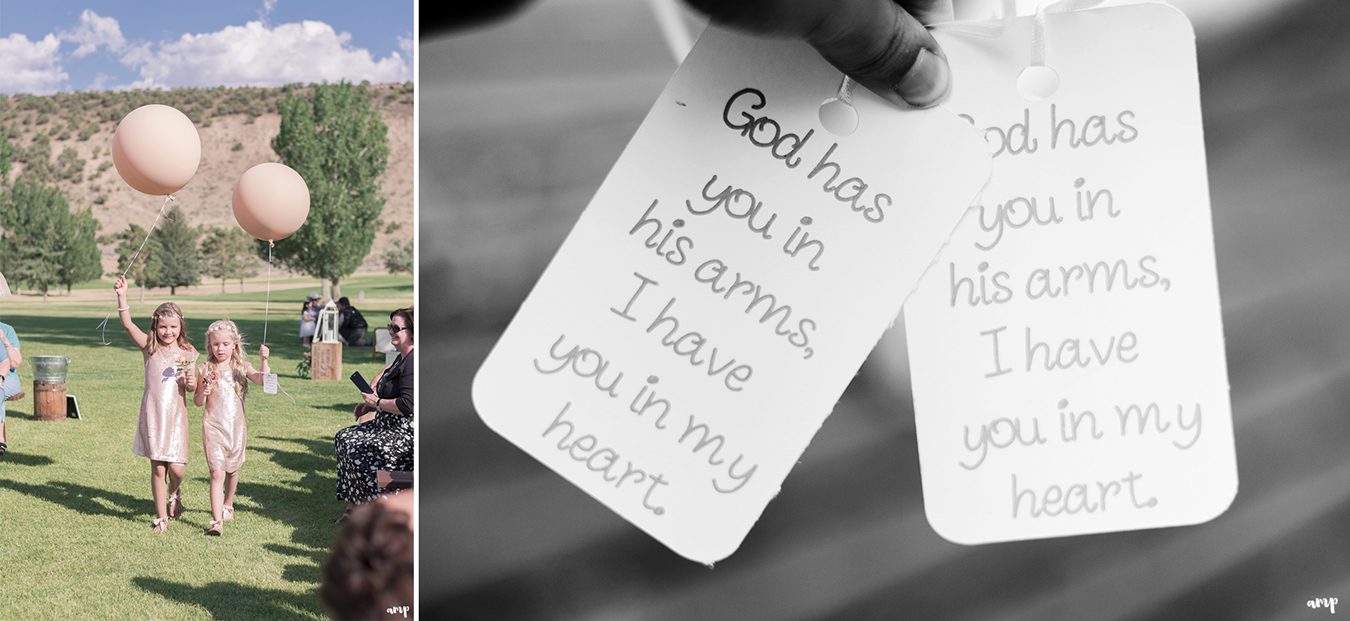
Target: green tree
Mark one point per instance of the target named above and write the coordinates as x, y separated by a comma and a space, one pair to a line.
127, 241
173, 263
81, 259
228, 253
398, 259
334, 137
35, 218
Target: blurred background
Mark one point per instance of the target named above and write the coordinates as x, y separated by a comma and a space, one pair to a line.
522, 117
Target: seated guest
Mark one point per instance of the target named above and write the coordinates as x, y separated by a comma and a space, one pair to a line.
383, 439
10, 359
351, 325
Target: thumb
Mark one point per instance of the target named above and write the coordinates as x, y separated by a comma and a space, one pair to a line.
876, 42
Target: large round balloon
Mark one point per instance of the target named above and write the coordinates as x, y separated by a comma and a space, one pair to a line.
270, 201
156, 149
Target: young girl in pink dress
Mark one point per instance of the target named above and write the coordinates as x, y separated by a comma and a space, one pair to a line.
161, 432
225, 378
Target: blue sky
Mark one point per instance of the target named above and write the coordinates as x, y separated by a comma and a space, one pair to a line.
65, 45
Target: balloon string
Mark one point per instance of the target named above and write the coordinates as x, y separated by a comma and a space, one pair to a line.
267, 300
169, 198
267, 303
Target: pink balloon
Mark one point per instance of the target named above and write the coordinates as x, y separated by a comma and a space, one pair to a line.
156, 149
270, 201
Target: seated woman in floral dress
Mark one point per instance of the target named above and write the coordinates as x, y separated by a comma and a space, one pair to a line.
383, 441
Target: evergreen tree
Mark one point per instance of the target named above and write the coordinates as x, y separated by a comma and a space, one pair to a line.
334, 137
35, 218
173, 263
128, 240
81, 259
6, 156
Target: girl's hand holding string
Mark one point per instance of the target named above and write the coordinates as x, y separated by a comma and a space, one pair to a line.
120, 293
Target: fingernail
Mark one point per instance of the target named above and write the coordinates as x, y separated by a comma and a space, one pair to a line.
928, 81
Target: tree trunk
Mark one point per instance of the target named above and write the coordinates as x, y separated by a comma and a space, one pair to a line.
327, 289
222, 285
337, 289
173, 290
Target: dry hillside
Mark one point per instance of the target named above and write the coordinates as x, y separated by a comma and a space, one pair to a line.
236, 127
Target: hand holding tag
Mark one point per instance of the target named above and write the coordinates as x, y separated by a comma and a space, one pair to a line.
723, 287
882, 45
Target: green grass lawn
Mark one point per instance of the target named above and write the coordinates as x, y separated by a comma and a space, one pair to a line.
75, 505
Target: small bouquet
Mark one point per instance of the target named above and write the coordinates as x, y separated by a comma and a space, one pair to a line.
182, 364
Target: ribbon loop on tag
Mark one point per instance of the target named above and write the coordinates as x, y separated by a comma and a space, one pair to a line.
1038, 36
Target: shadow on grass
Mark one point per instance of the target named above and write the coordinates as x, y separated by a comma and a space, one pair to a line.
72, 331
343, 406
21, 459
308, 506
317, 456
84, 499
225, 600
309, 570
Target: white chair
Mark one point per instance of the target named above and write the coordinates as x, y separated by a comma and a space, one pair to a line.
383, 345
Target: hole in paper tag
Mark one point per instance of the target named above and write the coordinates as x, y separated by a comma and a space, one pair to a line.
1038, 82
838, 116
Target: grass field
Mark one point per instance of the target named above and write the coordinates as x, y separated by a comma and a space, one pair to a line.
75, 507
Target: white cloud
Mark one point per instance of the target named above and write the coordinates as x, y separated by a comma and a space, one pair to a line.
258, 55
30, 66
266, 12
405, 43
94, 30
100, 82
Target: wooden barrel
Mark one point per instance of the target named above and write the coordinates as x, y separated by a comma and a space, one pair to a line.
49, 400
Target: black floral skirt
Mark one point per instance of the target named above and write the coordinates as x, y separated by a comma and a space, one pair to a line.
384, 443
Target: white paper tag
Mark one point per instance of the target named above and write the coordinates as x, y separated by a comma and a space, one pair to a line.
722, 288
270, 383
1066, 351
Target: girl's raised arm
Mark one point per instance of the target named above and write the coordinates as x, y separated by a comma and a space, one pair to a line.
256, 376
124, 313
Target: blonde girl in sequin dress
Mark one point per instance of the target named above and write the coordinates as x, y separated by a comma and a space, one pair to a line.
225, 378
162, 430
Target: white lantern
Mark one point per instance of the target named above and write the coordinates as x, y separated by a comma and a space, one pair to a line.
327, 330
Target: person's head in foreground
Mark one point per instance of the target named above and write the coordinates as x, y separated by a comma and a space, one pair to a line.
369, 572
